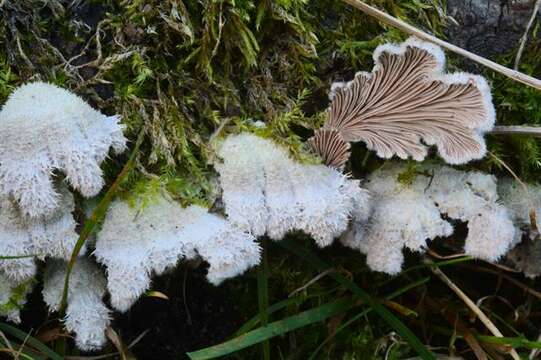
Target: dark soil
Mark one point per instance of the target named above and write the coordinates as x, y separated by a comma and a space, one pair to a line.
203, 316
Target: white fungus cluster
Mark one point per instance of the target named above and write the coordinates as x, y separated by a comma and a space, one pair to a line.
136, 243
86, 314
521, 202
52, 236
407, 215
266, 192
44, 128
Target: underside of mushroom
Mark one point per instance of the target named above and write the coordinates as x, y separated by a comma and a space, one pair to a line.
406, 104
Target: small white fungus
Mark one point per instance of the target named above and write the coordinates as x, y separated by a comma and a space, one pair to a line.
266, 192
52, 236
520, 202
406, 215
44, 128
136, 243
86, 314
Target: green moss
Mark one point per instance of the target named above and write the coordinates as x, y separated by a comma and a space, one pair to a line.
8, 79
17, 296
516, 105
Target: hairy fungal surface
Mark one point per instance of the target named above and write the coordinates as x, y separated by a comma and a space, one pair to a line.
86, 314
407, 214
136, 242
266, 192
520, 202
44, 128
52, 236
408, 101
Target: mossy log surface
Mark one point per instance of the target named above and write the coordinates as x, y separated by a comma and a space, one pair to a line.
181, 70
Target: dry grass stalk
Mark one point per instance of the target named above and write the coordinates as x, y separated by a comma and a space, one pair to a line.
409, 29
470, 304
524, 37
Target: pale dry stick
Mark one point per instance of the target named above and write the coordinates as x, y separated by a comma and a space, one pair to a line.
524, 37
219, 129
221, 24
470, 304
20, 351
5, 339
105, 356
516, 130
444, 257
314, 280
409, 29
456, 256
22, 53
510, 279
533, 216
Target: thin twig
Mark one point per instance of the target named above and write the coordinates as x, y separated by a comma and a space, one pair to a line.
409, 29
8, 344
470, 304
516, 130
510, 279
20, 351
524, 37
443, 257
309, 283
105, 356
186, 308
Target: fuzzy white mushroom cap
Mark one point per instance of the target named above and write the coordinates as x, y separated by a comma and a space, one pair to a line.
52, 236
86, 314
406, 215
266, 192
136, 242
44, 128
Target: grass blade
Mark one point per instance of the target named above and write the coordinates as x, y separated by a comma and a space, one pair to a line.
392, 320
263, 294
97, 215
253, 322
29, 340
276, 328
364, 312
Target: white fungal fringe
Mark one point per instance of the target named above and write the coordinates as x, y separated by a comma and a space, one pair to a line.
407, 215
52, 236
266, 192
86, 314
526, 256
520, 201
44, 128
136, 242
